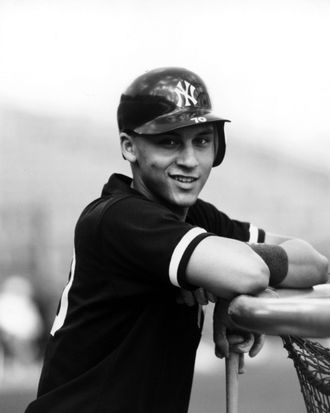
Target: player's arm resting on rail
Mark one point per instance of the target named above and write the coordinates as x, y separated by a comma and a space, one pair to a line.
227, 268
306, 266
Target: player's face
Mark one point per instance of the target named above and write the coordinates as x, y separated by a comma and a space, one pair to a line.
174, 166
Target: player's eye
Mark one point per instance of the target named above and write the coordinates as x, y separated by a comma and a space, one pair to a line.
168, 142
203, 141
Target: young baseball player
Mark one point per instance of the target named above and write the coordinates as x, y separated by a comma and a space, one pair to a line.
122, 341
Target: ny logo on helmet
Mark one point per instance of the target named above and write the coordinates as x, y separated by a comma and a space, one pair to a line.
186, 93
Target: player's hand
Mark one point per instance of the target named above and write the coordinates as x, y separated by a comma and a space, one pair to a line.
198, 296
227, 337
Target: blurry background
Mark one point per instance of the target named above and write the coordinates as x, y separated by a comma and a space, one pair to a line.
63, 66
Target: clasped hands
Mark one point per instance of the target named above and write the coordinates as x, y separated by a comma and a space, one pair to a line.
227, 337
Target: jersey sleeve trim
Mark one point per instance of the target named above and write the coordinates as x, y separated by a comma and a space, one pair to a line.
182, 253
185, 259
256, 234
64, 303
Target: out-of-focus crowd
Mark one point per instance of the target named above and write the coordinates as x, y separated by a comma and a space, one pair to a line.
23, 329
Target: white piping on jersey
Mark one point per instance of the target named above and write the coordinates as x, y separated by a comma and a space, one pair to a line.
179, 251
254, 233
60, 317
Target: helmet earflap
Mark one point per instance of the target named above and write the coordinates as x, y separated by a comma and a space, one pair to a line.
220, 143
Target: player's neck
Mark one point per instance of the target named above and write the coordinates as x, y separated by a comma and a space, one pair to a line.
179, 211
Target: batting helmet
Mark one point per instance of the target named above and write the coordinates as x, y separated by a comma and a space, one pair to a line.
165, 99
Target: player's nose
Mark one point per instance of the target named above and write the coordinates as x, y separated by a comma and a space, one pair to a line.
187, 156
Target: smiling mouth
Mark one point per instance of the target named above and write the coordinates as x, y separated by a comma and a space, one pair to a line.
184, 179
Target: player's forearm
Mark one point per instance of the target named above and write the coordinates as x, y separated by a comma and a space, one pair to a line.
307, 267
226, 268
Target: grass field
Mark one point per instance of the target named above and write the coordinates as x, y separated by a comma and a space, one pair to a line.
269, 384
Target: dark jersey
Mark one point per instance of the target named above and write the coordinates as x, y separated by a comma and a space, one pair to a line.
120, 341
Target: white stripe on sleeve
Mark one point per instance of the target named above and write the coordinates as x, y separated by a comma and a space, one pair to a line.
254, 233
60, 317
179, 251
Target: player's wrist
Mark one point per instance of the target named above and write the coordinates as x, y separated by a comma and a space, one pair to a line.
276, 259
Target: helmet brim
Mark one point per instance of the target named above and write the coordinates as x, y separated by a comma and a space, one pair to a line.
177, 120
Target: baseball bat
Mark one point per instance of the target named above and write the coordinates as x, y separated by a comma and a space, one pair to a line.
232, 362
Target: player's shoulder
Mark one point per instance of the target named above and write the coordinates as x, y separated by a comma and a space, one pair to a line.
139, 209
119, 210
99, 206
203, 208
200, 204
204, 214
117, 197
208, 216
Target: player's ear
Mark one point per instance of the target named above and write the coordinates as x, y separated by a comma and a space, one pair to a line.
127, 147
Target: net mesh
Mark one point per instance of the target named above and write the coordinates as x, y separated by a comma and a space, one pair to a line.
312, 363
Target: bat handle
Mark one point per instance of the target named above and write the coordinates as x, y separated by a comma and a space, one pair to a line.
232, 364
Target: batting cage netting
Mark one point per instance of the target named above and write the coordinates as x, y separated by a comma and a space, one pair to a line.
312, 363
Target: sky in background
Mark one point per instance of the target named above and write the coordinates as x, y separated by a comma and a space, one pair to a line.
266, 63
